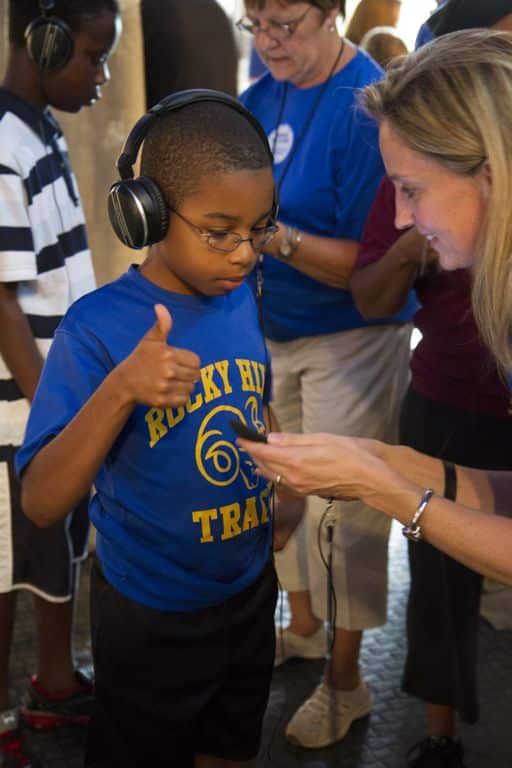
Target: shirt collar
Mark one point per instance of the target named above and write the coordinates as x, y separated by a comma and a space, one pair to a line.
41, 121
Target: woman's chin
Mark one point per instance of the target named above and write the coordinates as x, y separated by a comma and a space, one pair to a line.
450, 261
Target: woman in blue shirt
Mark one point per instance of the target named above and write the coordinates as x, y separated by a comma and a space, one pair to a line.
331, 369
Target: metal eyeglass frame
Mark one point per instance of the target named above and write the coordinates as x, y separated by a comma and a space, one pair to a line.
281, 29
206, 235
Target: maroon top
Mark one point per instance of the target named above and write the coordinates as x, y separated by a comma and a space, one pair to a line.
450, 364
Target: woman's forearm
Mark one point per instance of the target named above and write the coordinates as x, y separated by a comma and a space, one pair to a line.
325, 259
476, 488
392, 479
380, 289
479, 540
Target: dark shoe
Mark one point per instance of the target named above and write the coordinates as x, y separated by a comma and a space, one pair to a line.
12, 750
436, 752
41, 709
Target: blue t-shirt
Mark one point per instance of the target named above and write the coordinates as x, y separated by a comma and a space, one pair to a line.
327, 191
182, 518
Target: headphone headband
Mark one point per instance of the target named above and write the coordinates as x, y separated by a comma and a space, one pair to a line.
48, 39
175, 101
46, 6
136, 207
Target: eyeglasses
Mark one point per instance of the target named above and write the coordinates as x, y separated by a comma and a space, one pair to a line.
226, 242
280, 30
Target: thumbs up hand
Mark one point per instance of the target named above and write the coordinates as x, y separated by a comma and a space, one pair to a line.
162, 326
155, 373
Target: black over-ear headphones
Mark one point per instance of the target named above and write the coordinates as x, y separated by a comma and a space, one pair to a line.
136, 207
48, 39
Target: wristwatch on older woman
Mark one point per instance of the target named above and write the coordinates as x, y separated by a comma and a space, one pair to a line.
291, 241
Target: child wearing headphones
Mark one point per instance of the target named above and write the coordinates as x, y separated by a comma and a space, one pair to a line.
138, 395
57, 57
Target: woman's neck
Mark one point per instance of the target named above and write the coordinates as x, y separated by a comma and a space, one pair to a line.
331, 62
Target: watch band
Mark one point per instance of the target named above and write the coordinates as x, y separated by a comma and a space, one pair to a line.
450, 481
291, 241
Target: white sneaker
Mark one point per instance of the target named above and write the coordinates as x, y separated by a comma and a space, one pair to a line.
327, 715
289, 645
9, 720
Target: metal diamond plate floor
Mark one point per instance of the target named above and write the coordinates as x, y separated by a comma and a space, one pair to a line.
379, 741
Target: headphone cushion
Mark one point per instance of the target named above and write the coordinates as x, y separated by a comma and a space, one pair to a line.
158, 212
138, 212
49, 43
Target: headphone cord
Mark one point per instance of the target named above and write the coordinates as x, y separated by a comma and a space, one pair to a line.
328, 520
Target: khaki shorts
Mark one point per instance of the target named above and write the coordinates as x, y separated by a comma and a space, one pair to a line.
348, 383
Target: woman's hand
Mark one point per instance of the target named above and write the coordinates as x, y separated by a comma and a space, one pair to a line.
322, 465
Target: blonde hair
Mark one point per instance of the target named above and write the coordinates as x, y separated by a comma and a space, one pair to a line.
369, 14
383, 44
452, 101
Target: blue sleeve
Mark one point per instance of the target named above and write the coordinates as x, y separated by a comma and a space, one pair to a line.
73, 371
358, 170
424, 36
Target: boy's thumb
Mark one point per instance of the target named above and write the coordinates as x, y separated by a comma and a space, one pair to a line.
163, 325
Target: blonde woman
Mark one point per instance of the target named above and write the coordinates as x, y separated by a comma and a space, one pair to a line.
444, 115
331, 369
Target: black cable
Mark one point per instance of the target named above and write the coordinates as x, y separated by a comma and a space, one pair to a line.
332, 608
308, 120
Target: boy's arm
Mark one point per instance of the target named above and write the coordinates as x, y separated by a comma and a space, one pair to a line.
63, 470
18, 262
17, 345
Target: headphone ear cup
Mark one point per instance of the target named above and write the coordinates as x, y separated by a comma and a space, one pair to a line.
49, 43
138, 212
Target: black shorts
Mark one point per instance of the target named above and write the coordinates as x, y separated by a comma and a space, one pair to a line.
443, 612
170, 685
41, 560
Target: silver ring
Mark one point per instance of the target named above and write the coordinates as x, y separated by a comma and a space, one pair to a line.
277, 480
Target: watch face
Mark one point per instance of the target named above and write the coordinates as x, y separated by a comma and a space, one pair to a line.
285, 249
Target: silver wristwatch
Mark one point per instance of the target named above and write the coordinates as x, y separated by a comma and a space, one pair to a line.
291, 241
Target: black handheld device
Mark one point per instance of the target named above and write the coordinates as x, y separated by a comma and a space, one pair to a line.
242, 430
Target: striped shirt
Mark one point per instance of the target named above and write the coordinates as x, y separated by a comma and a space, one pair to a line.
43, 243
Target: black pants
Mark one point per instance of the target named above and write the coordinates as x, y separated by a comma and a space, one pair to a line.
170, 685
444, 600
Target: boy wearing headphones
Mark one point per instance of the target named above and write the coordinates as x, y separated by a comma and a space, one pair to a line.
57, 57
138, 395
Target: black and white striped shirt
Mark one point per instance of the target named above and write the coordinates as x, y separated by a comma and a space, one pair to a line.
43, 243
